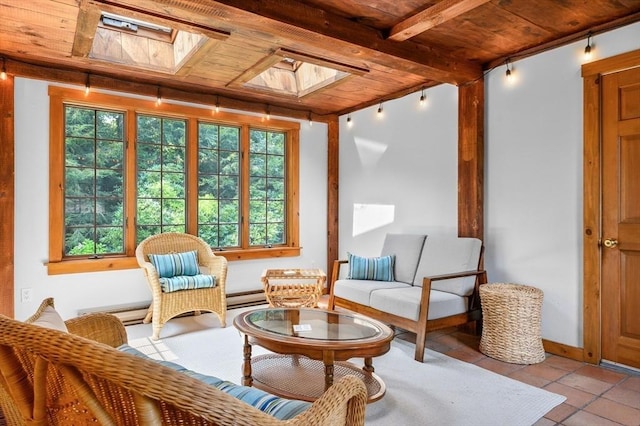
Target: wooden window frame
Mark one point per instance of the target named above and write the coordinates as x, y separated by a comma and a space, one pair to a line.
59, 97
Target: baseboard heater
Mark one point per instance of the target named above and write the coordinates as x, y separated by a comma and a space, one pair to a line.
134, 313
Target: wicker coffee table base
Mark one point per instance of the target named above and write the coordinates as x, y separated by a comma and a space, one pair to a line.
299, 377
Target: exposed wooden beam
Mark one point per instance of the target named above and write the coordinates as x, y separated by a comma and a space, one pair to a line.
429, 18
7, 196
302, 23
88, 19
471, 160
333, 186
50, 72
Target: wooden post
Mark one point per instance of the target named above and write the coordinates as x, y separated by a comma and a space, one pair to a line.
7, 196
333, 148
471, 160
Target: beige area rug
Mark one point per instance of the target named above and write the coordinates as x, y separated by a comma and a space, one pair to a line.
440, 391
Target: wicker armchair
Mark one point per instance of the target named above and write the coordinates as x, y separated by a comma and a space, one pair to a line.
165, 306
98, 327
48, 377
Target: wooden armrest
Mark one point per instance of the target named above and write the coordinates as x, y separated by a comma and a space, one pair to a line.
455, 275
99, 327
335, 273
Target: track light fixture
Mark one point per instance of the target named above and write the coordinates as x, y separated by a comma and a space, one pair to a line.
423, 98
268, 113
380, 110
509, 70
87, 84
217, 107
158, 97
587, 49
349, 122
310, 120
3, 74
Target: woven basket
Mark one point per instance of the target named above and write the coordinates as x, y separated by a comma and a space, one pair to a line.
511, 323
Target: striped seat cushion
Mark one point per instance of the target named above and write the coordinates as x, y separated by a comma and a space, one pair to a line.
187, 282
280, 408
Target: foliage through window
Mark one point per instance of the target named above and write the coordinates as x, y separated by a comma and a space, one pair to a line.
126, 172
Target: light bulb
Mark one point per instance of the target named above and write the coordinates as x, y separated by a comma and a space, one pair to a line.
349, 122
587, 49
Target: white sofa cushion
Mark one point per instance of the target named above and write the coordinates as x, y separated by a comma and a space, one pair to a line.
359, 291
407, 249
445, 255
405, 302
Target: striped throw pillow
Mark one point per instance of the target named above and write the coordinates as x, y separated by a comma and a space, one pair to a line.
371, 268
173, 264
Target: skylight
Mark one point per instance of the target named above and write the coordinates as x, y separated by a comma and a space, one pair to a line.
294, 74
129, 41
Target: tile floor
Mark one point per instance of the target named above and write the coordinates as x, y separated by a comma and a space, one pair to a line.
596, 395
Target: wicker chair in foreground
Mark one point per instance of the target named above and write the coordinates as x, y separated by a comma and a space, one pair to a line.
178, 287
50, 377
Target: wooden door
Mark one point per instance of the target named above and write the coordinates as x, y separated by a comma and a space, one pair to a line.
621, 217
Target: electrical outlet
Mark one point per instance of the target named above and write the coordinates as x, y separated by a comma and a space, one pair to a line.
26, 295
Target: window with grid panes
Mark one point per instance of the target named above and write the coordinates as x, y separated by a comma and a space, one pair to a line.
224, 178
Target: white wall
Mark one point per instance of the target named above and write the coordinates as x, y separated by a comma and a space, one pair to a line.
398, 173
86, 290
533, 174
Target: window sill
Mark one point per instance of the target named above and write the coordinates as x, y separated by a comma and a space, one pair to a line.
120, 263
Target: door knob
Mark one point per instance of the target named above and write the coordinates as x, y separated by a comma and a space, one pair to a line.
610, 243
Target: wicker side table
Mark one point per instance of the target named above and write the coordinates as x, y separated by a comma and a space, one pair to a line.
293, 288
511, 324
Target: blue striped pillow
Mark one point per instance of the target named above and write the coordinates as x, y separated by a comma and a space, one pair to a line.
371, 268
187, 282
173, 264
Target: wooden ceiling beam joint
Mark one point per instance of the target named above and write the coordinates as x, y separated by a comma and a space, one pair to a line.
303, 23
431, 17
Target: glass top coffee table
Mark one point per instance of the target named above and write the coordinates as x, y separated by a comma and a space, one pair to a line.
311, 348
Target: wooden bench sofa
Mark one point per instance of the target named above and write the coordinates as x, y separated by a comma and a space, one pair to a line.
435, 285
52, 377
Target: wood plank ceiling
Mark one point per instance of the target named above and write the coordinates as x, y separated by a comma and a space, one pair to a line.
387, 48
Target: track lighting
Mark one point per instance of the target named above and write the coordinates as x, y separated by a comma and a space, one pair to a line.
158, 97
310, 120
380, 110
587, 49
87, 84
349, 122
268, 113
509, 70
217, 107
423, 98
3, 74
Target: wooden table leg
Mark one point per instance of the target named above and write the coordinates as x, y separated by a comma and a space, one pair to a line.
328, 359
368, 365
247, 380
